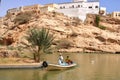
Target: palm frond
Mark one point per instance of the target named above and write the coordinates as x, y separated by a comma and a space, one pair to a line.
40, 38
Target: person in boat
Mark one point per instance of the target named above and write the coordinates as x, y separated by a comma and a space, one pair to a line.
60, 61
68, 61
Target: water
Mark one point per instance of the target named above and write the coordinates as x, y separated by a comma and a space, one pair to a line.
90, 67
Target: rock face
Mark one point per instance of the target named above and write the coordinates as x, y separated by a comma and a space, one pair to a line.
84, 37
90, 19
110, 20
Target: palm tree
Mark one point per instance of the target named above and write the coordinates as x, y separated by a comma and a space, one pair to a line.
41, 42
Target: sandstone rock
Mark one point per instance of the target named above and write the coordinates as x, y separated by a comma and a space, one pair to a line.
8, 53
87, 38
102, 39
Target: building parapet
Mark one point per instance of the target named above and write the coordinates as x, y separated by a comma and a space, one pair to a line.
13, 10
52, 5
81, 2
34, 8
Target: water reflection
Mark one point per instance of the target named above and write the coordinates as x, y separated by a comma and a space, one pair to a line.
59, 75
90, 67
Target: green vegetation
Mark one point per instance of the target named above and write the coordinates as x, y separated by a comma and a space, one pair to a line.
41, 41
102, 27
11, 48
23, 18
97, 20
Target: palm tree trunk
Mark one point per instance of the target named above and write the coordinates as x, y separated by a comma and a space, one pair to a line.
34, 56
37, 56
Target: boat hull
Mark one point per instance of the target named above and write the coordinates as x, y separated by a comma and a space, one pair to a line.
60, 67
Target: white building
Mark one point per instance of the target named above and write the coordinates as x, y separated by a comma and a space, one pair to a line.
79, 8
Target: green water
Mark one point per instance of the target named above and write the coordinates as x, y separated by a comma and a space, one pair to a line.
90, 67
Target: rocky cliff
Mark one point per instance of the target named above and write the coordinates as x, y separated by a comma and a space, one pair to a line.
82, 37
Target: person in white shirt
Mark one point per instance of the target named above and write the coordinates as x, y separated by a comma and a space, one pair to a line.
60, 61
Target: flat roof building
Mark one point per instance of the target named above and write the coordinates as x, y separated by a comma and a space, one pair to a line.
116, 14
79, 8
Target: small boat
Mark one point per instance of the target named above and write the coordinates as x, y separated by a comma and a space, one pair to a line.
60, 67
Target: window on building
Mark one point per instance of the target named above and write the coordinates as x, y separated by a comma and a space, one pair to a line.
63, 6
96, 6
119, 14
72, 6
78, 5
116, 14
60, 7
81, 6
90, 7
